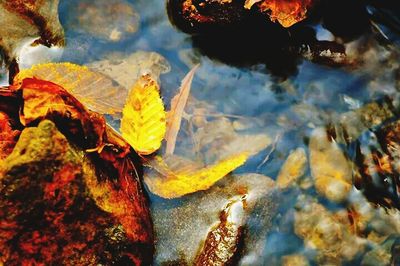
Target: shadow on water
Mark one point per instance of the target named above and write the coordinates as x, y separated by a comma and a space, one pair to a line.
246, 38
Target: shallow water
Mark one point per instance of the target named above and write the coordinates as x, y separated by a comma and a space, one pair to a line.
287, 110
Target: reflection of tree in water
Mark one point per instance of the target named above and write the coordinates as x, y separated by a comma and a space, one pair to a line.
234, 35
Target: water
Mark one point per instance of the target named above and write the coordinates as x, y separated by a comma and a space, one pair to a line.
290, 107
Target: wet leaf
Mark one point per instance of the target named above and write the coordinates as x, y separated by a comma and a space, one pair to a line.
178, 104
143, 123
96, 91
127, 69
43, 99
330, 168
174, 184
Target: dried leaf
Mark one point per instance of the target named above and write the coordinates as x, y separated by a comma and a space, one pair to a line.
178, 183
178, 104
143, 123
96, 91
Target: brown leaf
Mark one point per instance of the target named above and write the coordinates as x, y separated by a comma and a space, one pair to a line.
96, 91
178, 104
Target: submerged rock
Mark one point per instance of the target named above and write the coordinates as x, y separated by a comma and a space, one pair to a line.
293, 168
330, 168
324, 232
238, 209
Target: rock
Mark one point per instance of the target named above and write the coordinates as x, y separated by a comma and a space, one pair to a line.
293, 168
330, 168
325, 233
62, 202
381, 255
197, 217
295, 259
111, 21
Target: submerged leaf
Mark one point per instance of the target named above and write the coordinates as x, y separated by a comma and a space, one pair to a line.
127, 69
143, 123
178, 183
96, 91
178, 104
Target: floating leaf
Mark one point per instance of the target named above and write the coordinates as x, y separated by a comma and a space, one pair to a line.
96, 91
178, 104
143, 123
178, 183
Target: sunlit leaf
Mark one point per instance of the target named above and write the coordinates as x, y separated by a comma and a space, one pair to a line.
178, 104
96, 91
143, 123
174, 184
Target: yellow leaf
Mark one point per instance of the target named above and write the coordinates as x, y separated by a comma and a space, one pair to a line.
178, 104
174, 184
143, 122
96, 91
